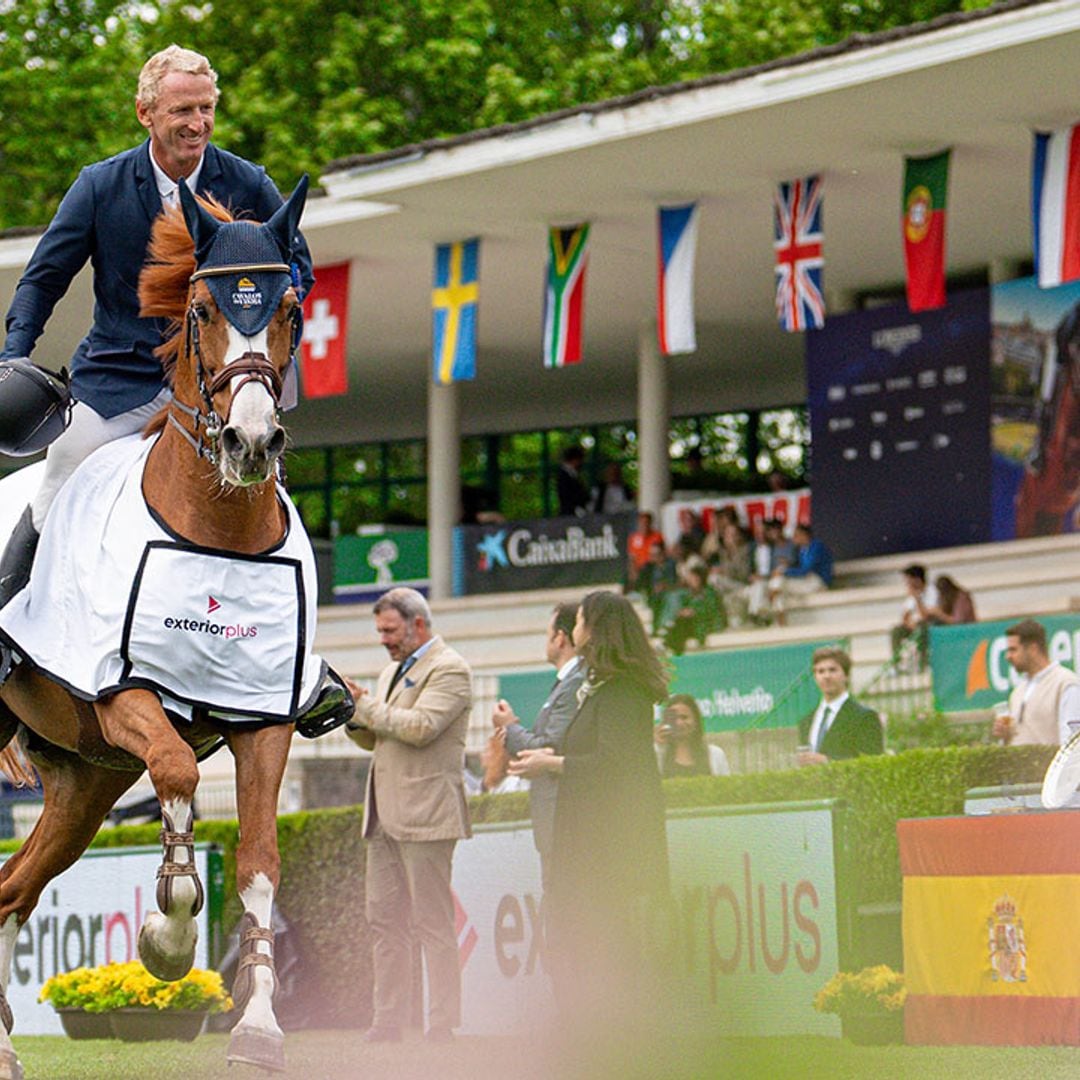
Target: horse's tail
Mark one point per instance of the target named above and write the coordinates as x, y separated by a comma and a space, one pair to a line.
16, 768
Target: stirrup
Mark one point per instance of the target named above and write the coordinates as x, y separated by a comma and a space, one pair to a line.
333, 706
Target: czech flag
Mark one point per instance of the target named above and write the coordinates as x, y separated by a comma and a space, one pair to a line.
1055, 206
675, 279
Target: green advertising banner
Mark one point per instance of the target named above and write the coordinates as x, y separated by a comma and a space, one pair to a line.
969, 666
733, 688
366, 566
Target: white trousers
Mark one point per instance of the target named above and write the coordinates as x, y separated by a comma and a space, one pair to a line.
87, 431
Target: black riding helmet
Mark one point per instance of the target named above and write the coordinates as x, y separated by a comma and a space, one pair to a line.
35, 407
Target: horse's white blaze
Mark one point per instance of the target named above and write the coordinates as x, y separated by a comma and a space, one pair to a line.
9, 931
258, 900
254, 410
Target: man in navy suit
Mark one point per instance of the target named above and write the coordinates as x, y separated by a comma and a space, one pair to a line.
839, 727
549, 727
106, 217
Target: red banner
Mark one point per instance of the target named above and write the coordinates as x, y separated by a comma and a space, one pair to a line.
326, 325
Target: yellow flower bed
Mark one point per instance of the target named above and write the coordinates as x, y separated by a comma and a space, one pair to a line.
130, 985
873, 990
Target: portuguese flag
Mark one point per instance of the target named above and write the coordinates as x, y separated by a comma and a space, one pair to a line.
926, 180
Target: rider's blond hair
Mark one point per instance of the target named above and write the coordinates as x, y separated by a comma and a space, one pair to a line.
174, 58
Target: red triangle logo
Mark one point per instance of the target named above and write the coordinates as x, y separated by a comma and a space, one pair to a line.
212, 606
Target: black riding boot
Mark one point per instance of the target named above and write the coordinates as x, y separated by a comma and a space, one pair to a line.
15, 566
18, 557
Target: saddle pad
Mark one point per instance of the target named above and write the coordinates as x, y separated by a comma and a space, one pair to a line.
91, 623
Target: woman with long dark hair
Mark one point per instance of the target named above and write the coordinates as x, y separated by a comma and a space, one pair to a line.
609, 866
681, 748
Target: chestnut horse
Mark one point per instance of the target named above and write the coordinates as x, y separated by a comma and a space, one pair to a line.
209, 477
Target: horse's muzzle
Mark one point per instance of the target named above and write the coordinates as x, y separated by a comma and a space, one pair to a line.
250, 459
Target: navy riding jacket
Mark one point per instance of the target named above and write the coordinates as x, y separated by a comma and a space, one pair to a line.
106, 217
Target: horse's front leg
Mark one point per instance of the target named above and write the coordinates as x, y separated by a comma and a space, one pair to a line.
135, 721
260, 755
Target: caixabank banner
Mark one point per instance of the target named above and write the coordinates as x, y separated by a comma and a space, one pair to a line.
969, 666
546, 553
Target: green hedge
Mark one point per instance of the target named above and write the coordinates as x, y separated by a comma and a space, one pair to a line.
322, 856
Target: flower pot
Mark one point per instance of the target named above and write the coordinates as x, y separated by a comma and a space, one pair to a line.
144, 1025
80, 1024
874, 1029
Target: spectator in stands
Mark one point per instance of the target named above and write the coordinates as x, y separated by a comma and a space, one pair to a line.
691, 474
1045, 707
693, 611
839, 727
610, 861
638, 547
612, 495
657, 578
548, 728
730, 576
573, 494
691, 531
954, 605
712, 546
778, 481
681, 747
921, 597
772, 555
811, 572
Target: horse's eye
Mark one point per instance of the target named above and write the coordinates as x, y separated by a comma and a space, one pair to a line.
202, 312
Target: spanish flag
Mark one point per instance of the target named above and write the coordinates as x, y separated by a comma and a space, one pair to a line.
991, 948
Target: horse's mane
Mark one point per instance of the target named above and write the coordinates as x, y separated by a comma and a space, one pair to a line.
163, 283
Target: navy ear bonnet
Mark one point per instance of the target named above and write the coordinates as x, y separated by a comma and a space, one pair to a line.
245, 266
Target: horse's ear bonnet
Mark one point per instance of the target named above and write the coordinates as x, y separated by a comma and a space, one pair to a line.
35, 407
246, 267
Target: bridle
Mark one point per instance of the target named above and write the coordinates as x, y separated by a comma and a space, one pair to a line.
250, 366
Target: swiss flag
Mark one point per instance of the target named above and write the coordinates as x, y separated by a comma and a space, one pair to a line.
326, 325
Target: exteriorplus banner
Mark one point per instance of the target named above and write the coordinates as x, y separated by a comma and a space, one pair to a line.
755, 925
969, 665
541, 554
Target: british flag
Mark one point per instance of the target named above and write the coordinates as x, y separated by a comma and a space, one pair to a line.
797, 236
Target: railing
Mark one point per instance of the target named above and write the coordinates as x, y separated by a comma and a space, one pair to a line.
902, 687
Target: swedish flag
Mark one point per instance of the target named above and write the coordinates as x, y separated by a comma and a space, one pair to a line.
455, 298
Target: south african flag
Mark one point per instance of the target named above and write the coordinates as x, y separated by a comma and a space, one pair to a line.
564, 297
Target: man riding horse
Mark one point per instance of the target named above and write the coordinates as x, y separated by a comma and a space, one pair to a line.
116, 379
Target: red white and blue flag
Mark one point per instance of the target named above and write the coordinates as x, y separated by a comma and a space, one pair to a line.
1055, 205
675, 279
797, 240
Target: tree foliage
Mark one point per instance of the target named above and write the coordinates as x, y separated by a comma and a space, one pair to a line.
307, 81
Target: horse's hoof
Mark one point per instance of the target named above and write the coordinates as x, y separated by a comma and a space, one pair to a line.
10, 1066
249, 1046
162, 965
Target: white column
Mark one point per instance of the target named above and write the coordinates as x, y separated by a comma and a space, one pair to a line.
444, 483
653, 417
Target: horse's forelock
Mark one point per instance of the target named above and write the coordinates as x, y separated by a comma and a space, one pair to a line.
163, 282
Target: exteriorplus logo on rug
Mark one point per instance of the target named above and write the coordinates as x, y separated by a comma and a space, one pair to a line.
203, 626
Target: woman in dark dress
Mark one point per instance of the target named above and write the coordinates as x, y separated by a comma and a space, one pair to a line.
610, 865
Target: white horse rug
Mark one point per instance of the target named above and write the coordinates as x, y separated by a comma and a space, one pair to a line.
116, 601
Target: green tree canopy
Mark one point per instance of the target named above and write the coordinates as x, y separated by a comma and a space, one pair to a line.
307, 81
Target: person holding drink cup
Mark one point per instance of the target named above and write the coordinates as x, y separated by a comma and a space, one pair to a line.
839, 727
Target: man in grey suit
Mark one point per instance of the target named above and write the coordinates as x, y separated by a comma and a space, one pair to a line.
414, 813
548, 728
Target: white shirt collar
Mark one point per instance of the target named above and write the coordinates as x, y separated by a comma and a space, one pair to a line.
167, 186
567, 668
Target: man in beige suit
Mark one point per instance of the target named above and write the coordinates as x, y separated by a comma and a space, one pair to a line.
414, 813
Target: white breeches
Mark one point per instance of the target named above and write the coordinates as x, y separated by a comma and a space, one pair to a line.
87, 431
